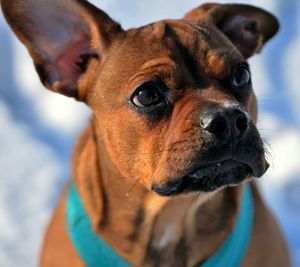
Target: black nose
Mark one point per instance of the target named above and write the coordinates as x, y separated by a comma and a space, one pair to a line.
230, 122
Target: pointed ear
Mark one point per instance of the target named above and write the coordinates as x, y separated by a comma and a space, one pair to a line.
64, 38
248, 27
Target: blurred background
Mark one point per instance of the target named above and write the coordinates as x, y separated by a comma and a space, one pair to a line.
39, 128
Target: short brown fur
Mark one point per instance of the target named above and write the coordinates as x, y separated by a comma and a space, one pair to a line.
122, 154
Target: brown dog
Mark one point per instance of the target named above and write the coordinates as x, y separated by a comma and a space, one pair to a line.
173, 128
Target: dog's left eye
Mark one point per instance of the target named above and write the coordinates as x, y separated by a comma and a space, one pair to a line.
241, 76
147, 95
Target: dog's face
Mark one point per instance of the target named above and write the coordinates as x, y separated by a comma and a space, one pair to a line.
173, 101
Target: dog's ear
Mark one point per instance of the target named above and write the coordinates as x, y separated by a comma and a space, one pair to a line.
63, 37
248, 27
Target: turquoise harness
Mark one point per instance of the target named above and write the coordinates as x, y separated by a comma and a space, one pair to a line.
96, 253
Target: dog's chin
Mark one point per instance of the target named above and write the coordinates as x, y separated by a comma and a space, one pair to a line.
208, 178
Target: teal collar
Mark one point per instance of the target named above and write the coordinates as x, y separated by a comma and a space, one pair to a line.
96, 253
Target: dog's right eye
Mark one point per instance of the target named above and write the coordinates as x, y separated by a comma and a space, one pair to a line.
147, 95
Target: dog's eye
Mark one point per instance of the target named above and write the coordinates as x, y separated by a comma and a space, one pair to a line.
241, 76
147, 95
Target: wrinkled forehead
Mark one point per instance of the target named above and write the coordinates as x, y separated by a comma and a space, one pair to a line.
184, 41
170, 47
196, 38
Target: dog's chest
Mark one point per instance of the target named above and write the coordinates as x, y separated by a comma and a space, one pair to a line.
173, 235
185, 233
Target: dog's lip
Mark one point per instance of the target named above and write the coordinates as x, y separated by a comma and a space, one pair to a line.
207, 178
217, 167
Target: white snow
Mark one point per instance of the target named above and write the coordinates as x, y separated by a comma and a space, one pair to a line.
28, 181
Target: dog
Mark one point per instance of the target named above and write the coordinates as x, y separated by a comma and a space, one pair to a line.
164, 173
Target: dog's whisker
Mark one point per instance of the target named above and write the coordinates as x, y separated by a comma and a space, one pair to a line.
268, 149
132, 187
266, 129
159, 166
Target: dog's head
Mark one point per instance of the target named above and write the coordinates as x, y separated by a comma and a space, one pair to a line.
172, 101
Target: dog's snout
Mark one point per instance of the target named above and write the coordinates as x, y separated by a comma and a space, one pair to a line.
230, 122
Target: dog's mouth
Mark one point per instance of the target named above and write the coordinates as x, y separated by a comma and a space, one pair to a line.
208, 178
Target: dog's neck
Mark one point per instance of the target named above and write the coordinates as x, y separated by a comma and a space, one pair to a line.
144, 228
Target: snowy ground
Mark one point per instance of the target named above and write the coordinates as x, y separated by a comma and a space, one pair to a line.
38, 128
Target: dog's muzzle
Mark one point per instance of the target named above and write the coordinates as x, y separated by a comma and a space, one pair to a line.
235, 153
